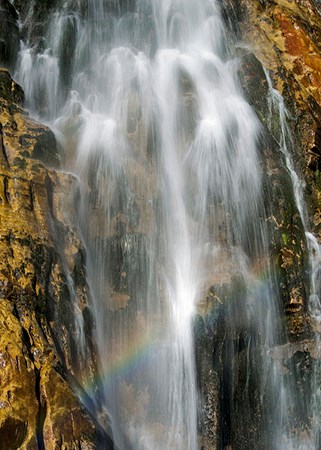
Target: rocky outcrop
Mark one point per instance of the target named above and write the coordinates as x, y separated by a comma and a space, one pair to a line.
44, 298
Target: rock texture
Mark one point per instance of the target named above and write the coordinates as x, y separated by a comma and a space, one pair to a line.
9, 34
283, 38
43, 293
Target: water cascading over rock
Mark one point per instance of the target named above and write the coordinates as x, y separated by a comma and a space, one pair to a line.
181, 212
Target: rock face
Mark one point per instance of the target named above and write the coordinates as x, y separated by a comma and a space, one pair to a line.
34, 16
9, 34
42, 290
283, 37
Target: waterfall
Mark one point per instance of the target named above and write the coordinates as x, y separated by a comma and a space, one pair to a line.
150, 117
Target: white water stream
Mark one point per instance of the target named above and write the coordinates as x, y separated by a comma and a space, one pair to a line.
277, 106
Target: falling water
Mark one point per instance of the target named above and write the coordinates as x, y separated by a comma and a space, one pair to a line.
146, 106
276, 105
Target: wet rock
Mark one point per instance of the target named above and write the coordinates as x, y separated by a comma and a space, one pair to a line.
284, 36
9, 34
299, 364
44, 296
288, 243
34, 16
253, 397
63, 427
9, 89
19, 405
288, 247
22, 137
254, 84
208, 386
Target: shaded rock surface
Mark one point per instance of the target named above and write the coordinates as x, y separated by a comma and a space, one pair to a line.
9, 34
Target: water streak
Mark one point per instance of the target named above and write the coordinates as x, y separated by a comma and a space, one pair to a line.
276, 105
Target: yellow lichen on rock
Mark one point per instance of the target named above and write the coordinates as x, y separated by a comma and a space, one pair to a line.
18, 402
61, 425
39, 248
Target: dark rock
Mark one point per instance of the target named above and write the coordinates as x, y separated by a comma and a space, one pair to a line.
254, 409
208, 386
13, 433
9, 34
9, 89
35, 16
45, 149
254, 84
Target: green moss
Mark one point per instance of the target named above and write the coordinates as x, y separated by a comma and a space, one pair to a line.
285, 238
